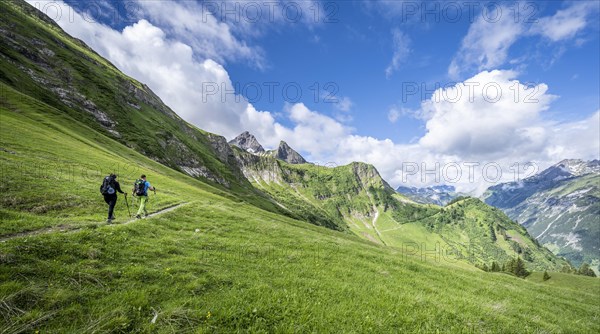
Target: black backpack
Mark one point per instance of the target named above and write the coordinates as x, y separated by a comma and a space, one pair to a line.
107, 187
138, 187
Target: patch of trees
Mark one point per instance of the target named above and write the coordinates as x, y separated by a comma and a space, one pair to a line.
513, 266
493, 233
584, 270
405, 213
457, 199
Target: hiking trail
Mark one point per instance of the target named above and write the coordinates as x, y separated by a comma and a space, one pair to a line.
68, 229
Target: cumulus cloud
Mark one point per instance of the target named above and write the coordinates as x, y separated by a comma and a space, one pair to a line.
488, 135
487, 115
192, 23
401, 45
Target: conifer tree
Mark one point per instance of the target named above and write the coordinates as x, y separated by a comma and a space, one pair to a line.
519, 268
495, 267
546, 276
493, 233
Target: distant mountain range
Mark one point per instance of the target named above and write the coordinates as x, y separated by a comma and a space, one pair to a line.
559, 206
439, 195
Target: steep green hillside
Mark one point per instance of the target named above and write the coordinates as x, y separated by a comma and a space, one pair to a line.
217, 263
39, 59
49, 180
355, 197
560, 207
324, 196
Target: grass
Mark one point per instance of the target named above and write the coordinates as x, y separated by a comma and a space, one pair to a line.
139, 119
567, 281
229, 260
220, 264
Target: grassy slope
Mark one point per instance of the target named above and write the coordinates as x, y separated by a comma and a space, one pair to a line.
39, 59
221, 265
64, 64
47, 181
352, 196
566, 281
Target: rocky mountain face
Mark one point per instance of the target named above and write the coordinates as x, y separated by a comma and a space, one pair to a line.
439, 195
312, 193
286, 153
247, 142
560, 207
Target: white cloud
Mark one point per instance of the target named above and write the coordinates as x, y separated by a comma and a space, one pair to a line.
191, 23
487, 115
467, 129
394, 114
579, 139
488, 41
401, 44
343, 104
566, 23
170, 68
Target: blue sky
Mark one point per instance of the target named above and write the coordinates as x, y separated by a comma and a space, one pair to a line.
365, 55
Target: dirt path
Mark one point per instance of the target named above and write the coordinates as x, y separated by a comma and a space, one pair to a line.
375, 217
65, 228
159, 212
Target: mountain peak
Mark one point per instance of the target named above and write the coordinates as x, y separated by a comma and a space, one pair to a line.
246, 141
286, 153
578, 167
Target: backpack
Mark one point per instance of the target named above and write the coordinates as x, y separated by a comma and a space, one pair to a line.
107, 187
139, 187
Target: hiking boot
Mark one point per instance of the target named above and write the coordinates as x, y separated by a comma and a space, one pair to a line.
109, 220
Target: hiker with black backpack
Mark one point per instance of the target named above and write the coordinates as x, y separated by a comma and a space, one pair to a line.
140, 190
109, 188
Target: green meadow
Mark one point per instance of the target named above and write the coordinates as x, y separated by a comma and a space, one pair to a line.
220, 263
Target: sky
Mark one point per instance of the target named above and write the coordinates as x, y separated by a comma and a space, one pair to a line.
461, 93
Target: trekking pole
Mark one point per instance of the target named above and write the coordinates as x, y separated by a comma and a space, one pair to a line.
127, 203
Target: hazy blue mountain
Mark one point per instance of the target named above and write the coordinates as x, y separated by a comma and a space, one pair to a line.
560, 207
439, 195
